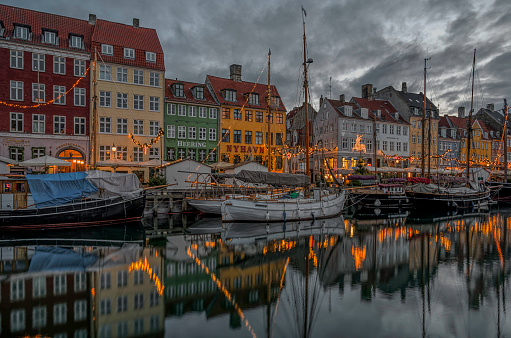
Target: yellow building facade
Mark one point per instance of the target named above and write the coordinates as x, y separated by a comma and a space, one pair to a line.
480, 150
416, 141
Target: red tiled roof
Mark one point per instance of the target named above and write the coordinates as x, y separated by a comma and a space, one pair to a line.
386, 108
458, 122
242, 87
189, 98
39, 20
443, 122
120, 35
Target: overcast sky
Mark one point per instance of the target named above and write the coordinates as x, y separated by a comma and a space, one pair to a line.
353, 42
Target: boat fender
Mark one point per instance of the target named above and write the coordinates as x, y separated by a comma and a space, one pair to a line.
267, 215
377, 203
323, 210
313, 217
400, 202
284, 215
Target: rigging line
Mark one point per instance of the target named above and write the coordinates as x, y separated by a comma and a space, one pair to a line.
119, 91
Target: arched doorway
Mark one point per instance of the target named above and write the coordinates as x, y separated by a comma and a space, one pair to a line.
74, 156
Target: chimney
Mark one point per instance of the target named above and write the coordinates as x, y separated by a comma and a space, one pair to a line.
403, 87
321, 101
92, 19
461, 111
374, 90
367, 91
136, 23
341, 97
235, 72
490, 106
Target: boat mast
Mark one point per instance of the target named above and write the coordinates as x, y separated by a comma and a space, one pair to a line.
423, 153
268, 138
505, 139
306, 87
469, 127
93, 133
429, 133
375, 149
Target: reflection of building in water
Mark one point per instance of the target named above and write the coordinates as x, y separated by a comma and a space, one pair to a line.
35, 299
125, 291
251, 281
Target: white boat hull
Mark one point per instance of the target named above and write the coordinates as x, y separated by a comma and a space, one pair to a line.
207, 206
282, 210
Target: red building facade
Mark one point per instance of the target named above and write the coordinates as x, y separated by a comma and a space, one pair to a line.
44, 86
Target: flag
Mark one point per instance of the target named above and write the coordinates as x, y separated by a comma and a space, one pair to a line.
304, 12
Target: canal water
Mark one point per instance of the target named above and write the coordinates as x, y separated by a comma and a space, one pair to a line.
327, 278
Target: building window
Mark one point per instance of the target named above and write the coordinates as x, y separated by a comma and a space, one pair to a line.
237, 114
398, 130
59, 65
39, 316
179, 90
212, 134
122, 74
138, 76
248, 137
191, 133
22, 32
79, 125
253, 98
16, 153
122, 126
191, 154
391, 129
105, 307
259, 116
59, 124
59, 313
138, 154
154, 128
79, 97
259, 137
17, 91
280, 118
17, 289
181, 153
171, 154
275, 101
154, 103
122, 304
107, 49
104, 125
213, 113
138, 326
226, 113
225, 135
150, 57
138, 102
237, 136
105, 99
17, 320
122, 100
50, 37
202, 133
405, 131
139, 299
199, 93
171, 131
80, 66
76, 41
105, 72
278, 139
202, 155
269, 118
80, 282
203, 112
154, 79
181, 110
248, 115
192, 111
171, 109
16, 59
59, 285
38, 125
59, 95
212, 155
104, 153
38, 92
129, 53
38, 62
230, 95
138, 127
181, 132
80, 307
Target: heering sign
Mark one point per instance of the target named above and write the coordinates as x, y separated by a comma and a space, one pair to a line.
191, 144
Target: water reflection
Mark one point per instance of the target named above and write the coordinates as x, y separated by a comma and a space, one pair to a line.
309, 279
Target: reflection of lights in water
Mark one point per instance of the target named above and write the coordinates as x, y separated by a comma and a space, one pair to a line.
359, 254
280, 287
144, 266
220, 286
312, 254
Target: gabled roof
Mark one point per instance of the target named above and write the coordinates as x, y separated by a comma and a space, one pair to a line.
444, 122
416, 100
387, 109
458, 122
38, 21
339, 104
124, 36
242, 87
189, 97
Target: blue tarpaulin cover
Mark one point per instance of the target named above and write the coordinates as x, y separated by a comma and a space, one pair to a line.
57, 189
59, 259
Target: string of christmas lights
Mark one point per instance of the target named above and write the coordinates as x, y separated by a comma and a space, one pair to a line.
145, 146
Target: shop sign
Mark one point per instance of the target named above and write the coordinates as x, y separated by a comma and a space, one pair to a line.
191, 144
245, 149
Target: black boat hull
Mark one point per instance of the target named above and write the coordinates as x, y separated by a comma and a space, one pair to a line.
381, 205
503, 195
89, 213
430, 202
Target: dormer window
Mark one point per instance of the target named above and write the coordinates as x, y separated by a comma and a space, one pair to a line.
129, 53
179, 89
275, 101
76, 41
2, 28
253, 99
22, 32
199, 92
230, 95
107, 49
453, 133
50, 36
150, 57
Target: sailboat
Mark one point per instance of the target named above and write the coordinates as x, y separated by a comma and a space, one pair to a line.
428, 197
321, 204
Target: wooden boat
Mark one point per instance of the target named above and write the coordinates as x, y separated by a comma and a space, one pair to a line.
382, 199
70, 199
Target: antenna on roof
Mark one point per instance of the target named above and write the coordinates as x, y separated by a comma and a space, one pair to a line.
330, 97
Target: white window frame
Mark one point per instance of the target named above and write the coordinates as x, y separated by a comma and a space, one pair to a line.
213, 113
138, 127
80, 126
18, 120
18, 91
154, 103
59, 313
171, 131
212, 134
59, 96
122, 126
80, 97
154, 128
202, 134
122, 74
50, 38
107, 49
105, 99
192, 111
17, 59
80, 66
38, 62
76, 41
154, 79
203, 112
150, 57
59, 65
138, 102
171, 109
59, 121
138, 76
38, 123
123, 99
38, 92
105, 72
181, 132
181, 110
192, 133
129, 53
104, 125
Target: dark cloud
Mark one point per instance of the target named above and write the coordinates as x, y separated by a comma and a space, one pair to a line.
353, 42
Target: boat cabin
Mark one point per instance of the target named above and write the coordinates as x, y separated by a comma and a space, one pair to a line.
15, 193
391, 189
